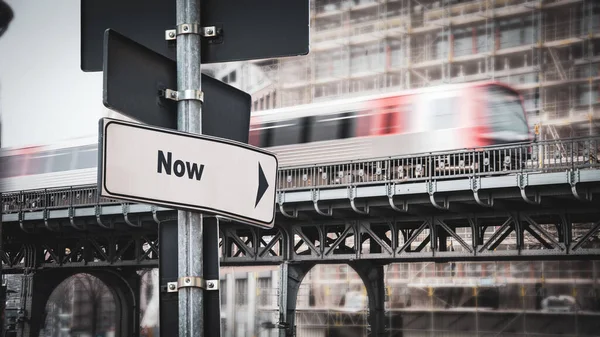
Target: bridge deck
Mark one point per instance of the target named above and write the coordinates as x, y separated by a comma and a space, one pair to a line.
453, 205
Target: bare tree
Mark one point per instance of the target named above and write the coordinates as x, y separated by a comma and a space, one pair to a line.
94, 296
85, 297
60, 301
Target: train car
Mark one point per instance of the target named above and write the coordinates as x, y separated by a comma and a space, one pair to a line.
432, 119
62, 164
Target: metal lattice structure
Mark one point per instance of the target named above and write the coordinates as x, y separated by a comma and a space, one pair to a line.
547, 49
472, 204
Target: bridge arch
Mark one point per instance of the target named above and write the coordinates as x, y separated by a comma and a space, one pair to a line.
123, 284
348, 306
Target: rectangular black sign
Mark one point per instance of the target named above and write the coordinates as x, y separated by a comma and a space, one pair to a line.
134, 76
251, 29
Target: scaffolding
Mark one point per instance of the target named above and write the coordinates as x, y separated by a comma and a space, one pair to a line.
549, 50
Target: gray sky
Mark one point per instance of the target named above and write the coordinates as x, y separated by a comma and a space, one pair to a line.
44, 95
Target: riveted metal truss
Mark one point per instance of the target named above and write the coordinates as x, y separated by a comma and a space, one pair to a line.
84, 237
248, 245
400, 227
450, 237
80, 251
315, 318
544, 208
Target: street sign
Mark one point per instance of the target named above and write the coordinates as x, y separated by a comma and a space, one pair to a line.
143, 20
245, 30
135, 77
186, 171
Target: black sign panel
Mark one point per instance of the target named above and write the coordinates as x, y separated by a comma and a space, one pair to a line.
167, 272
145, 21
134, 77
250, 29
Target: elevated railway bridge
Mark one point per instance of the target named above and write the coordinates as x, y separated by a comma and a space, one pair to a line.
518, 202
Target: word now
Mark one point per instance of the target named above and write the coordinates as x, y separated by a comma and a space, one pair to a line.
178, 167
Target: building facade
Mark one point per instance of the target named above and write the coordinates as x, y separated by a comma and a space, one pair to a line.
549, 50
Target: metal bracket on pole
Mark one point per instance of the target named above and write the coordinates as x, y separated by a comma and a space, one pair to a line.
192, 282
183, 95
192, 28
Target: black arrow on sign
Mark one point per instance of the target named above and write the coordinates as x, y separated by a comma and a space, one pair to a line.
262, 185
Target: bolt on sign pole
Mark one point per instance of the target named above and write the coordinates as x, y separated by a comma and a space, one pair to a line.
189, 119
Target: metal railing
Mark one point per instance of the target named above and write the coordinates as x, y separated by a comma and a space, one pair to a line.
540, 157
546, 156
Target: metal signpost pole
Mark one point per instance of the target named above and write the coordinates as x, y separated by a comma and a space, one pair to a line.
189, 119
139, 81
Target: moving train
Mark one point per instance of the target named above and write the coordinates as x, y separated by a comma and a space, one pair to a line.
431, 119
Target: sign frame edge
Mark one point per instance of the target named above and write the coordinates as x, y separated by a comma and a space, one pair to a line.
103, 192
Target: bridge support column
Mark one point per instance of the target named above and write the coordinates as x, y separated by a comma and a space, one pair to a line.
372, 275
130, 298
291, 276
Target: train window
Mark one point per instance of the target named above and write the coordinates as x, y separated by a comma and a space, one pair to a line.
289, 132
266, 135
11, 166
61, 160
505, 111
362, 124
87, 157
389, 122
348, 124
331, 127
37, 163
254, 136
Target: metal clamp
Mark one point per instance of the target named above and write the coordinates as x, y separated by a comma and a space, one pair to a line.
192, 282
184, 95
190, 28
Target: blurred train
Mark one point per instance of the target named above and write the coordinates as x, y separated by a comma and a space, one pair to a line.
416, 121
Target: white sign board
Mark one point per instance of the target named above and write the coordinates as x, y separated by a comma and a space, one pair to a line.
147, 164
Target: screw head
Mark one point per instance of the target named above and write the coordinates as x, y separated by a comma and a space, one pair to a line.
172, 286
211, 285
171, 34
209, 31
173, 94
186, 28
187, 280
